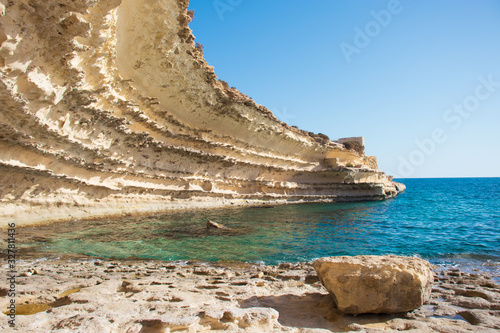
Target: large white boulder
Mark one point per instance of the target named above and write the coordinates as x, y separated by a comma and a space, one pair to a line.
376, 284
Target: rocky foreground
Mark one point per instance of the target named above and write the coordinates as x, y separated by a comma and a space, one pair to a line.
138, 296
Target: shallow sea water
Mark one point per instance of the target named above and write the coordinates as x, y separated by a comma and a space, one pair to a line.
447, 221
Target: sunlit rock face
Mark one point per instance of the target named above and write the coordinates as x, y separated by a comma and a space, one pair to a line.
107, 108
376, 284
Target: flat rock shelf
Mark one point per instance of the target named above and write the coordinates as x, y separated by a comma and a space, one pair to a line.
138, 296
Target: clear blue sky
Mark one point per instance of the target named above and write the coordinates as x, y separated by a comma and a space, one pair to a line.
420, 80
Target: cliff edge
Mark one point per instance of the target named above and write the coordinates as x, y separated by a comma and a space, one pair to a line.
108, 108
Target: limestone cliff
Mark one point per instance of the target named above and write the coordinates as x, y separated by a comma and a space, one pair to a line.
107, 107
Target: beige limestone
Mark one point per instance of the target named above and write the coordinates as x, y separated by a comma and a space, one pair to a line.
155, 296
376, 284
108, 108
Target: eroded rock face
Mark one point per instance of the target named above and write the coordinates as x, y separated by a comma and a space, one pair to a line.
376, 284
109, 108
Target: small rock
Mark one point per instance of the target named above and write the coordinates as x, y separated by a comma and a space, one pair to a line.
270, 278
477, 292
214, 225
288, 277
445, 310
481, 318
470, 302
482, 281
201, 271
286, 266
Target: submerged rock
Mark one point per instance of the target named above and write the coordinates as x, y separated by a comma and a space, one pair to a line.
376, 284
214, 225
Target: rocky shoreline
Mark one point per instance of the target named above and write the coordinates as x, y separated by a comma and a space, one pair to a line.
97, 295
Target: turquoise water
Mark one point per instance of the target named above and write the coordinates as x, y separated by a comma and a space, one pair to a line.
437, 219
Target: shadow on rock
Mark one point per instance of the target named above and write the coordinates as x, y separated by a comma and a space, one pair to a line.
314, 310
306, 311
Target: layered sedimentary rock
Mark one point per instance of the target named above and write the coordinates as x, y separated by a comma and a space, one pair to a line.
376, 284
108, 107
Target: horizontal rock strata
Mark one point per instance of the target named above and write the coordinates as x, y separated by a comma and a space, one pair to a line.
107, 107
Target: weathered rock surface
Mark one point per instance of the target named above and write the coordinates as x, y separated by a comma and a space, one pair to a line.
109, 108
376, 284
154, 296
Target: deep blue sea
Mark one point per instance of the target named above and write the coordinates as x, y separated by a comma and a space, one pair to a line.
452, 221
